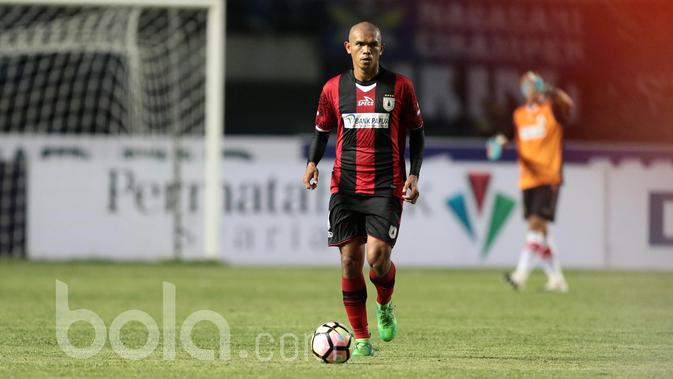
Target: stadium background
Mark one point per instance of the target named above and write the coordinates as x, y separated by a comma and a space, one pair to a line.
73, 188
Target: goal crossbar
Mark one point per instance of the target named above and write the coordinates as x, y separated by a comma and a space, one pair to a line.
126, 3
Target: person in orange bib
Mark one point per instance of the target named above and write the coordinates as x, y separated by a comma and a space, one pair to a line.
538, 135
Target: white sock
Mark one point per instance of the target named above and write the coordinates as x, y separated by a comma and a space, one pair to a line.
547, 264
523, 268
527, 257
536, 241
551, 264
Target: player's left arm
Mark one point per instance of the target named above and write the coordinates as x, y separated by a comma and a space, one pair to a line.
562, 104
410, 191
414, 120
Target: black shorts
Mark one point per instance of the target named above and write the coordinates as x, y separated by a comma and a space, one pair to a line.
352, 216
540, 201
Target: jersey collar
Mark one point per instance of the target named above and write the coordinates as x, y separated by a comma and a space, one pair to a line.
367, 82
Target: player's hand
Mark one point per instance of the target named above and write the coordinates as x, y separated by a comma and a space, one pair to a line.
311, 176
494, 147
410, 191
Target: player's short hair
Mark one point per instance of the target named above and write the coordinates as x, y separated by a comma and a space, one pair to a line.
369, 24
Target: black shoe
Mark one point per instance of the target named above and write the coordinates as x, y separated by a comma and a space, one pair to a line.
508, 279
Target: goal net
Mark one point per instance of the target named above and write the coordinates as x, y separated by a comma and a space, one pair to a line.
75, 73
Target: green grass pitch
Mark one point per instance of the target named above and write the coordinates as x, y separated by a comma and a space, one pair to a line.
453, 323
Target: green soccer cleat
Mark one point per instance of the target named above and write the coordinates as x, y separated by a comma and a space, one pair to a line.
387, 323
363, 348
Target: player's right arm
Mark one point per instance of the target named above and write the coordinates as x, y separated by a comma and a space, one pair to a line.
562, 104
325, 121
494, 146
315, 153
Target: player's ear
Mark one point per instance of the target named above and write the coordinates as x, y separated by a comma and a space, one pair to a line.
347, 46
383, 45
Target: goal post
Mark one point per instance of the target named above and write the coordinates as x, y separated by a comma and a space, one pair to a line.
213, 104
215, 61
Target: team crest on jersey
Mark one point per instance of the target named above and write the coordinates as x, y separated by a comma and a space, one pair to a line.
388, 102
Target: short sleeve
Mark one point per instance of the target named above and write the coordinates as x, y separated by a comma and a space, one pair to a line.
412, 111
325, 117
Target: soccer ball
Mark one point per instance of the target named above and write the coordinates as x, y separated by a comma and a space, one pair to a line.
331, 343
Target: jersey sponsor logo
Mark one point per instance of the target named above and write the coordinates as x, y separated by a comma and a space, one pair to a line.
534, 131
388, 102
366, 120
366, 101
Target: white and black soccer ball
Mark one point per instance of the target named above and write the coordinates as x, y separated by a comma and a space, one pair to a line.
331, 343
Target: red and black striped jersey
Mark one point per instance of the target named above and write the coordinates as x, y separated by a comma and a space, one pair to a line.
371, 120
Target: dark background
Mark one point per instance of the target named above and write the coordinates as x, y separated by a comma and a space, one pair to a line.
464, 56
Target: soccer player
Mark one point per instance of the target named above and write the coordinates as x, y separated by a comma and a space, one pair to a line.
538, 135
372, 110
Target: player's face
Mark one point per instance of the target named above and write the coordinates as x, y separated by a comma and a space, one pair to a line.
528, 90
365, 47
